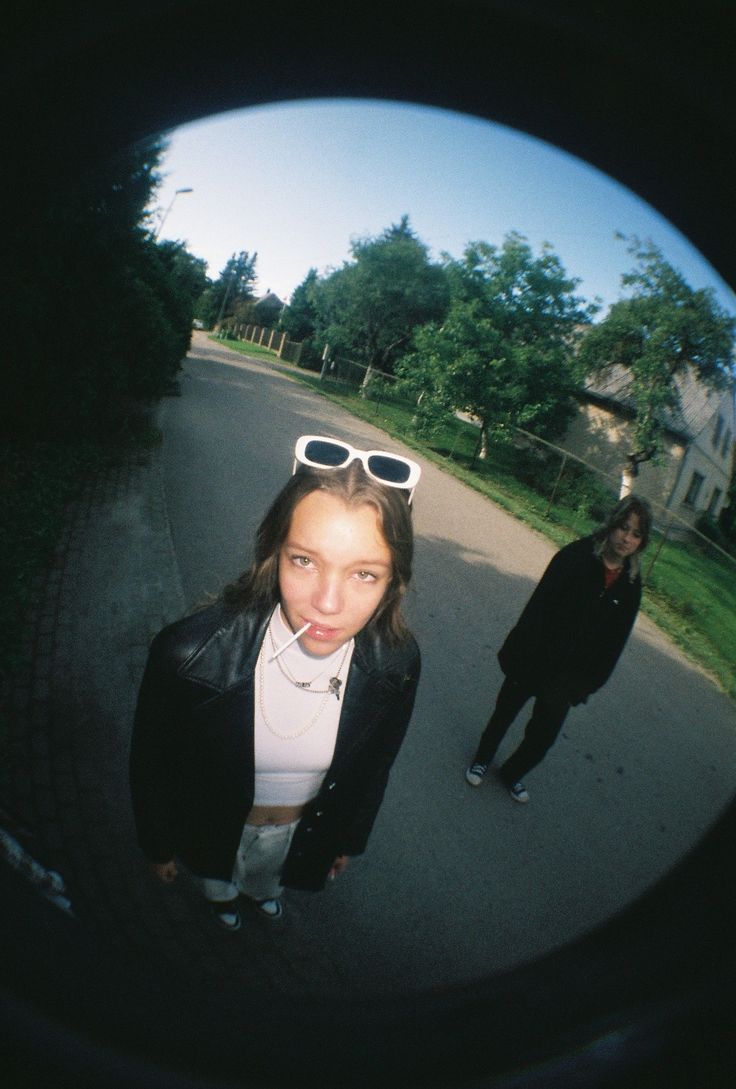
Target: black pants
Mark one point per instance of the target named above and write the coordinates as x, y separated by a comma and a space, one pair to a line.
540, 734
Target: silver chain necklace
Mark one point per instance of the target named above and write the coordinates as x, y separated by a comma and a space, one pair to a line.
333, 685
323, 701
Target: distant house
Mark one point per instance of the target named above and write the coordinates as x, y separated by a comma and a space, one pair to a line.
698, 446
266, 310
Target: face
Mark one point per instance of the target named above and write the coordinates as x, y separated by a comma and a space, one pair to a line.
334, 569
626, 539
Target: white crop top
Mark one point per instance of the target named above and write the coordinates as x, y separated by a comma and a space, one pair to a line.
295, 728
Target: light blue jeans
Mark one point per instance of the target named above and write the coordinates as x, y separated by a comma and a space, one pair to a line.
257, 869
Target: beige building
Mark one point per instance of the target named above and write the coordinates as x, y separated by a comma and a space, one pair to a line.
693, 475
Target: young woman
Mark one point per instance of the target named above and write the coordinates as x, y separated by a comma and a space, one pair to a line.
567, 640
268, 722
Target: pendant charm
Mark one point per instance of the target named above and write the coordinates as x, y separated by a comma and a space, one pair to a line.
334, 685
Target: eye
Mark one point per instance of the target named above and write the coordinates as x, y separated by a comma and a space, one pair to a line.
365, 576
301, 561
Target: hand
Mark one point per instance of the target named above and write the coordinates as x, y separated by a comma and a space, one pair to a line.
338, 866
165, 871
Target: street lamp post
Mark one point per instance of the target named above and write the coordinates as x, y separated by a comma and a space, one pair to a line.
171, 204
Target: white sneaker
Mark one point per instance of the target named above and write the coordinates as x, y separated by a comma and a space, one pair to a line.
474, 774
273, 908
228, 919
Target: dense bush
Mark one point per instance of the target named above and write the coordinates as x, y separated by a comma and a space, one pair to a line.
710, 528
96, 312
577, 488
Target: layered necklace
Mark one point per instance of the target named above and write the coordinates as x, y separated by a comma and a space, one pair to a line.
333, 688
333, 685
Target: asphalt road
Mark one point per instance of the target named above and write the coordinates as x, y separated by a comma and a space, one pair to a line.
456, 883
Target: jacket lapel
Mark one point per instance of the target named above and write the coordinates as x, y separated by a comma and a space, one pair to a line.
225, 663
362, 703
229, 656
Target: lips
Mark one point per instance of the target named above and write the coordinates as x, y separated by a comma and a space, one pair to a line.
320, 631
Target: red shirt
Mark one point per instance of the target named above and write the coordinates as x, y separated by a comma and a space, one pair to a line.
610, 574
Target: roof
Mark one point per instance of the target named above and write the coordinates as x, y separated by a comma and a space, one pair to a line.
697, 401
269, 299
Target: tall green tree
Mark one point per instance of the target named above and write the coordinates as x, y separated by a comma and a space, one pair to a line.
662, 330
369, 308
504, 351
233, 288
298, 319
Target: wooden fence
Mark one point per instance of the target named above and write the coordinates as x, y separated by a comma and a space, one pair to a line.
288, 350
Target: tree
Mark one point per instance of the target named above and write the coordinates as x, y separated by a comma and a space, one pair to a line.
181, 283
663, 330
370, 306
233, 287
299, 320
503, 353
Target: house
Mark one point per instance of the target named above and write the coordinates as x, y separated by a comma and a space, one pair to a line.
267, 309
697, 452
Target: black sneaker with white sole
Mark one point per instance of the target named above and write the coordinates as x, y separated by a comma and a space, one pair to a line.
474, 774
519, 792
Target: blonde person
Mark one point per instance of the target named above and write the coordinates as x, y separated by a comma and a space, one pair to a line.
567, 640
267, 723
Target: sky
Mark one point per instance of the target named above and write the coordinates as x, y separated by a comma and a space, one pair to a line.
297, 182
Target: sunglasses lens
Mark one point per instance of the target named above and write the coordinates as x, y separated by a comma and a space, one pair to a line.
388, 468
326, 453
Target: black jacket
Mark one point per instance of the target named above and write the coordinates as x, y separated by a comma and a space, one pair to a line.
572, 630
192, 758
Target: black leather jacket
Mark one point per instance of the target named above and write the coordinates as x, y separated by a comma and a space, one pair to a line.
192, 760
572, 630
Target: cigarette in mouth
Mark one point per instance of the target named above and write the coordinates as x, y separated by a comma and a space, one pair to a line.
288, 642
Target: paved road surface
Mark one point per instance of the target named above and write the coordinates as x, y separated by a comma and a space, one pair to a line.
457, 883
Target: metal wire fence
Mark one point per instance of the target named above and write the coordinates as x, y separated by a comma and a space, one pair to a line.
690, 578
553, 472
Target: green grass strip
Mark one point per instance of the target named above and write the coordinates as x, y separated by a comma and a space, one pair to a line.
690, 594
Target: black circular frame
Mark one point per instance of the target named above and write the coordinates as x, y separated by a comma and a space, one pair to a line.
645, 92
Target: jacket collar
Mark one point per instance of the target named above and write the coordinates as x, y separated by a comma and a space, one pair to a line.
226, 656
225, 662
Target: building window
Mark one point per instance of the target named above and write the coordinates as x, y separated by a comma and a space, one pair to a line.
718, 431
714, 501
694, 490
726, 446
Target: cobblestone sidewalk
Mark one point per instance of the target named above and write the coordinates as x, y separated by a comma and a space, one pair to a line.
112, 584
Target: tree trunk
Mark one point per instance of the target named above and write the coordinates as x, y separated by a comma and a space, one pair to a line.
631, 470
627, 482
366, 380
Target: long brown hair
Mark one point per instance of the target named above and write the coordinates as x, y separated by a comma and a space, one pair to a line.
630, 504
260, 584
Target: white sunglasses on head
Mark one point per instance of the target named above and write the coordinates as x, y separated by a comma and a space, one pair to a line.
393, 470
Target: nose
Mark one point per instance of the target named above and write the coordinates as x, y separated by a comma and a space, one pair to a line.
327, 596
